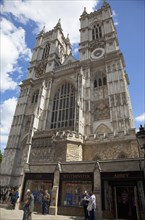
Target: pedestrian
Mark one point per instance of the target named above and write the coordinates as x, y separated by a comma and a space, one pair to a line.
92, 206
85, 201
28, 205
45, 203
14, 197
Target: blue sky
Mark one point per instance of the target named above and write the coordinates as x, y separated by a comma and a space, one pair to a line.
21, 21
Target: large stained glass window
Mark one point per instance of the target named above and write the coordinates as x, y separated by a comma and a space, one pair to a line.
63, 107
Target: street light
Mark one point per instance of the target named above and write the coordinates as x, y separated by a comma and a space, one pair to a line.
141, 141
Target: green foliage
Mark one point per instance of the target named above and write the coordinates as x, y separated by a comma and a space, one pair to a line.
1, 156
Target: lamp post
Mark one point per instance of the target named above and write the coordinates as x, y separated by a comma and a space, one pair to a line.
141, 141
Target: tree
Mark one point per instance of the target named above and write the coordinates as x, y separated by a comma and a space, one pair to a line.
1, 156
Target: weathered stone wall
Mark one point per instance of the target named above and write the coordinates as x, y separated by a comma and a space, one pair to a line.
110, 150
60, 151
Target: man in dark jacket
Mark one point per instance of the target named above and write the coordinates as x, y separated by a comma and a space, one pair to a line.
85, 201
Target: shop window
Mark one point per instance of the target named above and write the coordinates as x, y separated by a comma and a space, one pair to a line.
73, 187
72, 192
63, 107
38, 183
38, 188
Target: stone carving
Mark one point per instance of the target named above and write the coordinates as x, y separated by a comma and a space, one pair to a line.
102, 129
42, 154
40, 68
96, 44
102, 110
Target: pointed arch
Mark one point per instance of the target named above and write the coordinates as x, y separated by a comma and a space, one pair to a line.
103, 129
46, 51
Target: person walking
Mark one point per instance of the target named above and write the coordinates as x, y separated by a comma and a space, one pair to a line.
85, 201
45, 203
28, 205
92, 206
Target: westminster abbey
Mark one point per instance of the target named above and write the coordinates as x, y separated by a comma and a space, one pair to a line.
73, 127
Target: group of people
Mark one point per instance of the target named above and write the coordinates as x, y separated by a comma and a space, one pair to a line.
89, 205
9, 195
29, 204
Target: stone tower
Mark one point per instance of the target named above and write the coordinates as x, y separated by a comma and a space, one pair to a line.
106, 98
67, 107
50, 51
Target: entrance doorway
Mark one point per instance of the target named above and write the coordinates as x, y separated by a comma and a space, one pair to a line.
126, 203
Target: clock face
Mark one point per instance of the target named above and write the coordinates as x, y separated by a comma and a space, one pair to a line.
97, 53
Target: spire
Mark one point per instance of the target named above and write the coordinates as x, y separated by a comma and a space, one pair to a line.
67, 39
42, 31
105, 2
84, 12
58, 25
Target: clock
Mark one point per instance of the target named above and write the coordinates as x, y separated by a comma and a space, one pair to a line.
97, 53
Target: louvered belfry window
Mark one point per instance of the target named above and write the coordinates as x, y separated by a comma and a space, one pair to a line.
63, 107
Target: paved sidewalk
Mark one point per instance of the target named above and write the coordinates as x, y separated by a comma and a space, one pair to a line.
6, 214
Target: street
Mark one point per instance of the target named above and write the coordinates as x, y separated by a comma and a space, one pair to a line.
6, 214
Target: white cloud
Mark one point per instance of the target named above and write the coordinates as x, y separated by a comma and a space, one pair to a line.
48, 12
13, 47
7, 112
140, 118
13, 42
114, 15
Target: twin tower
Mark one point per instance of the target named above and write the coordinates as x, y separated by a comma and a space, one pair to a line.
71, 111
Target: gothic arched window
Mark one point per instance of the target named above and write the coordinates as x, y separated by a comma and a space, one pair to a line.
104, 81
96, 32
46, 51
63, 107
95, 83
35, 96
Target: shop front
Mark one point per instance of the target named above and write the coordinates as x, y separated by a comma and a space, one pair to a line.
38, 183
66, 183
72, 187
123, 195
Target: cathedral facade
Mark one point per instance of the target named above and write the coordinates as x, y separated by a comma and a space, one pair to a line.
73, 126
